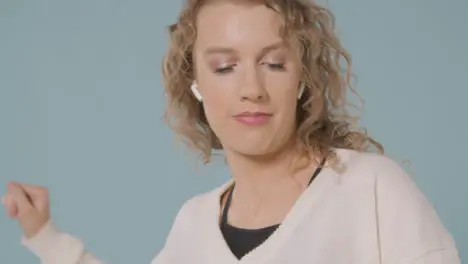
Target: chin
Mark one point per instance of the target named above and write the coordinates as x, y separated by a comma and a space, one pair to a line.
257, 144
255, 149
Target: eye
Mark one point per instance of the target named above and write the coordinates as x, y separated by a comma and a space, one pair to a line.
276, 66
224, 70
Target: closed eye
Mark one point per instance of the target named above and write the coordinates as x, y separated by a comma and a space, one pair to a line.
276, 66
224, 70
273, 66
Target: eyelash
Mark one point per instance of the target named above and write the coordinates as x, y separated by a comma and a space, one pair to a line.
224, 70
273, 66
276, 66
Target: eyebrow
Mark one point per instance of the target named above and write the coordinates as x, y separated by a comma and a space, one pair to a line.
226, 50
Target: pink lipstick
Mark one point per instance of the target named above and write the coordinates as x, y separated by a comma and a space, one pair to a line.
252, 118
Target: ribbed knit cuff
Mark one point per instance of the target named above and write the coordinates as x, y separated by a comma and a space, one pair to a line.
45, 242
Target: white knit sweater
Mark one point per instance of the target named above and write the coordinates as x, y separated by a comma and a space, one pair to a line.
369, 214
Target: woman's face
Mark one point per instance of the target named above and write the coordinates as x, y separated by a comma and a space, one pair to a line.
247, 77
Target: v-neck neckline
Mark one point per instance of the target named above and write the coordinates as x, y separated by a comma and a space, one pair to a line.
263, 252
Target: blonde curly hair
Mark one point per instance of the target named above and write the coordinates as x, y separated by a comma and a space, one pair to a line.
323, 121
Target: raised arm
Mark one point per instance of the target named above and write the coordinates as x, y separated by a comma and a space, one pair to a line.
30, 206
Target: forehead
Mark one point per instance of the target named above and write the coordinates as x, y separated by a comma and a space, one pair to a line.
237, 25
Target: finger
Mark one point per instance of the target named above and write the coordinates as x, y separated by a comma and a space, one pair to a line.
19, 198
12, 210
33, 191
10, 206
38, 195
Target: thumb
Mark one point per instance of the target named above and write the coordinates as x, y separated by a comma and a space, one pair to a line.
20, 198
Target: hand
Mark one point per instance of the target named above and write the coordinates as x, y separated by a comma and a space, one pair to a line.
29, 205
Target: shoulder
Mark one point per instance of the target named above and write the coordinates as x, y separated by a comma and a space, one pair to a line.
393, 187
202, 205
378, 170
391, 183
409, 227
367, 162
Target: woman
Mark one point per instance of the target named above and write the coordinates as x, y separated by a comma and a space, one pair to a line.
261, 81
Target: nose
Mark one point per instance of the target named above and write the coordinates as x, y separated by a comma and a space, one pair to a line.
253, 88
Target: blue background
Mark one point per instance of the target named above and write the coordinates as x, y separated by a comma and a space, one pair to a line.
81, 104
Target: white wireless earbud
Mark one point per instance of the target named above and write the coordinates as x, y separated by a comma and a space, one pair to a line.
195, 92
301, 90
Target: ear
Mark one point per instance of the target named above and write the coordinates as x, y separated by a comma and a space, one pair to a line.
194, 88
301, 90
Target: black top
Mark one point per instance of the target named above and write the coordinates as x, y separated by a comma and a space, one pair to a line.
242, 241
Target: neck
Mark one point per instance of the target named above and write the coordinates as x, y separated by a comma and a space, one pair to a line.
255, 175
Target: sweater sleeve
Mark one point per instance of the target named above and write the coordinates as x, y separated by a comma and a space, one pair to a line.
53, 246
410, 230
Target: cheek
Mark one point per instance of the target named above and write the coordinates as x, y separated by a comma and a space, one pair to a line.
215, 109
283, 91
286, 112
216, 103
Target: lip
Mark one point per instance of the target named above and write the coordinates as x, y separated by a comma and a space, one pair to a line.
252, 118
